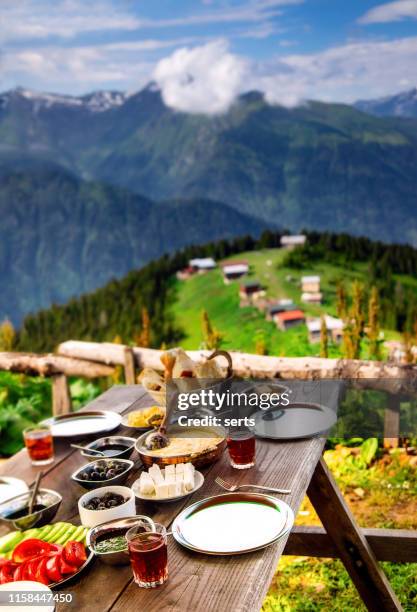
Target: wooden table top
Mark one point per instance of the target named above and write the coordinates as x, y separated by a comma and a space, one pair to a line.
196, 582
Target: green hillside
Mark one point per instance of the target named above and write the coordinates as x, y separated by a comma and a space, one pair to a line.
242, 326
175, 307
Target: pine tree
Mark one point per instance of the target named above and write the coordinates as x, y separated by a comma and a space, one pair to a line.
357, 317
324, 341
373, 325
143, 339
341, 303
212, 338
7, 335
260, 343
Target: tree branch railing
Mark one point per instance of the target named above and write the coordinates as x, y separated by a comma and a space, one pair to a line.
56, 367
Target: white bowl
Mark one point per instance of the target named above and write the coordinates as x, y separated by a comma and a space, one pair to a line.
92, 518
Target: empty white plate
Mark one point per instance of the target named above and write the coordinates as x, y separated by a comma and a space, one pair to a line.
233, 523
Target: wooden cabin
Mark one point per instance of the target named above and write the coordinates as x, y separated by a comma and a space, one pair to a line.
234, 270
310, 284
288, 319
334, 328
290, 242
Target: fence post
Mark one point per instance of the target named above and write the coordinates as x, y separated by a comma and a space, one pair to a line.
61, 398
129, 366
392, 421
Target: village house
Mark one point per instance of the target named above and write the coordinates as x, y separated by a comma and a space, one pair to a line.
290, 242
334, 328
288, 319
310, 284
202, 265
311, 298
275, 308
196, 266
233, 270
250, 292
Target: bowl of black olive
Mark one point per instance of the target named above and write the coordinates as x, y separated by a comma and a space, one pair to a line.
103, 472
106, 504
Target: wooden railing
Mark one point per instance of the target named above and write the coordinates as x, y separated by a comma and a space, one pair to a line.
94, 360
392, 378
56, 367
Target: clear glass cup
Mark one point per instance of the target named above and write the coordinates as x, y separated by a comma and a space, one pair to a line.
148, 555
39, 443
241, 447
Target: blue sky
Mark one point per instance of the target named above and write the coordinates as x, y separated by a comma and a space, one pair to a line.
202, 53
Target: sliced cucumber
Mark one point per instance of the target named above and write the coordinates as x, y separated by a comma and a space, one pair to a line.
9, 541
79, 531
65, 536
55, 529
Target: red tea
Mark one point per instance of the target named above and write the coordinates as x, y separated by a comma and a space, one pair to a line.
40, 446
241, 450
149, 558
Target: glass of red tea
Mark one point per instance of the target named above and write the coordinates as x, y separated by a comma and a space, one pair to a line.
39, 443
148, 555
241, 447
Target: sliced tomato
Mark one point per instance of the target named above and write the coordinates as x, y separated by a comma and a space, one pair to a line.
74, 553
30, 569
52, 568
7, 572
30, 549
17, 574
66, 568
41, 572
56, 548
3, 561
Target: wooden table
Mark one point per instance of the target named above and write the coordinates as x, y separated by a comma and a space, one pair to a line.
203, 583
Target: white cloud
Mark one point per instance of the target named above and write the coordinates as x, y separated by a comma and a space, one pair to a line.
391, 11
207, 78
39, 19
204, 79
344, 73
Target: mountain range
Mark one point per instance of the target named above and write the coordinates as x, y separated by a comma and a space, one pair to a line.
403, 104
93, 186
61, 236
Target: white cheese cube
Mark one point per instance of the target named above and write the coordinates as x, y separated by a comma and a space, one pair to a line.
189, 470
189, 481
179, 468
146, 484
170, 471
156, 474
179, 477
172, 490
162, 490
179, 488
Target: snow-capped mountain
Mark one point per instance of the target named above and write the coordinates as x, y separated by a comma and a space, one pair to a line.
403, 104
97, 101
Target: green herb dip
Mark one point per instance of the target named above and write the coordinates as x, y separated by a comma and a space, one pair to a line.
114, 544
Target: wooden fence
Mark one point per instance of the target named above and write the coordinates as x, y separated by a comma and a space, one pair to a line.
386, 376
94, 360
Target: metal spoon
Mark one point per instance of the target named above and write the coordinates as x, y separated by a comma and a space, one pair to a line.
89, 450
35, 489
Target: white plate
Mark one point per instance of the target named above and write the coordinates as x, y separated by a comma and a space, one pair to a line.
10, 487
198, 483
29, 586
78, 424
233, 523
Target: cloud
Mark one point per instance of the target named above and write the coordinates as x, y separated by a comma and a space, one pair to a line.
392, 11
40, 19
344, 73
206, 79
203, 79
